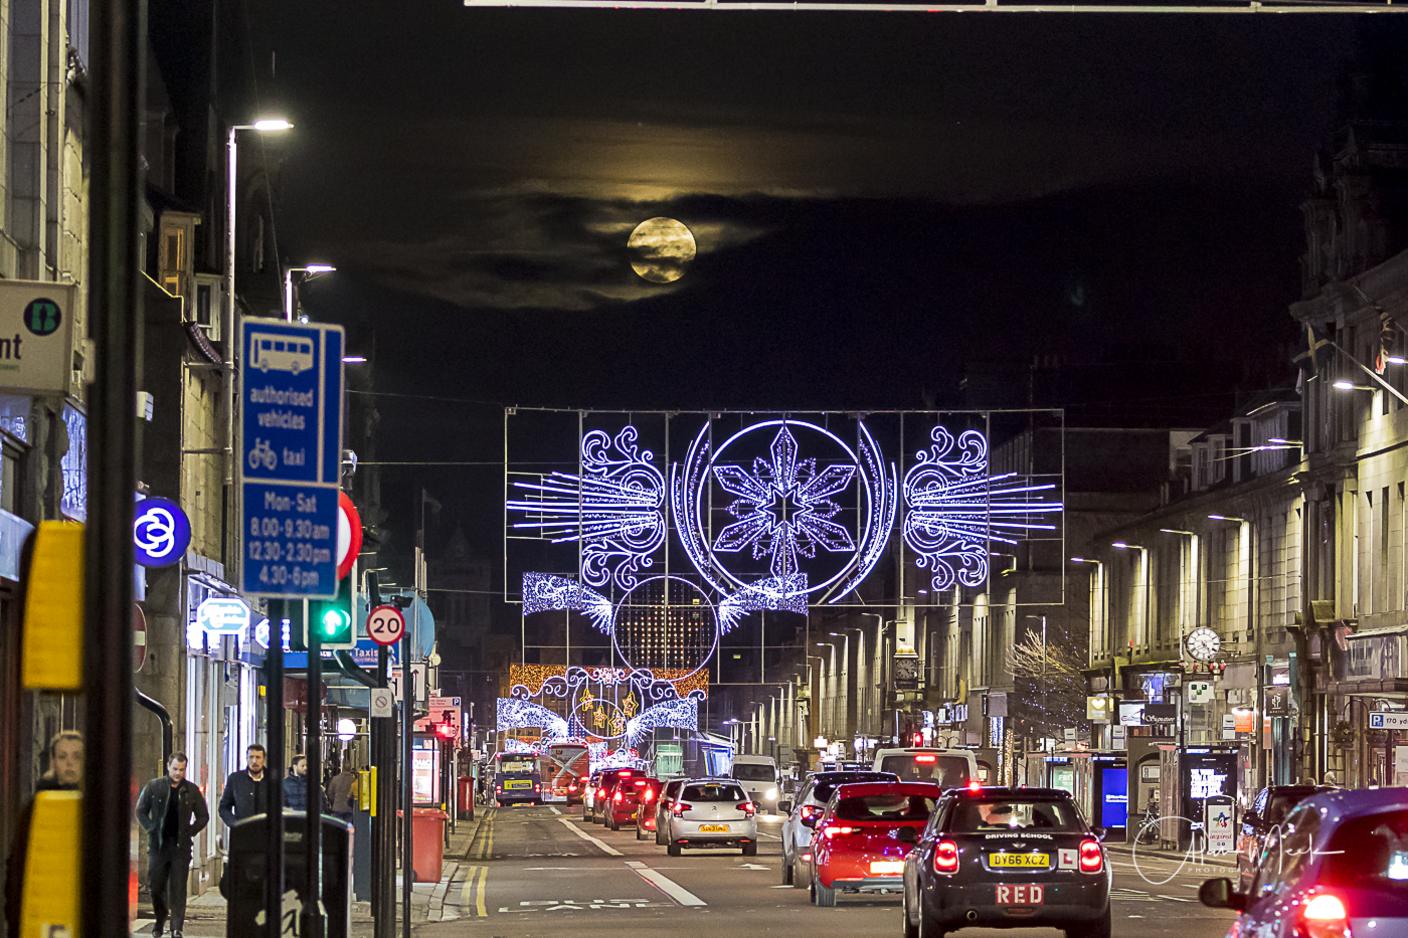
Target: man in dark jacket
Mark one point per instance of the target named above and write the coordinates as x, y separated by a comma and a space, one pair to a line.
172, 811
296, 785
245, 792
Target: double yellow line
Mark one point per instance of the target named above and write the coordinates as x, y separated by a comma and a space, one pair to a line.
476, 877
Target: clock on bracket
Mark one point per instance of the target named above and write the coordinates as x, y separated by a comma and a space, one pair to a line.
1203, 643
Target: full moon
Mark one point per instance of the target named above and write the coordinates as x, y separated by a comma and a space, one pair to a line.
660, 249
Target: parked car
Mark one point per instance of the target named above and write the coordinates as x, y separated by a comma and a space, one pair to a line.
1007, 858
947, 768
1268, 810
668, 793
864, 834
761, 778
713, 812
630, 795
811, 801
594, 805
1336, 867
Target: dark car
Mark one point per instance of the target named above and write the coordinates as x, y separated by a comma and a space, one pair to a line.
594, 806
628, 797
1267, 812
999, 857
1337, 866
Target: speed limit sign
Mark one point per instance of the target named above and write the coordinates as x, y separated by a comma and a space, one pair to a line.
386, 625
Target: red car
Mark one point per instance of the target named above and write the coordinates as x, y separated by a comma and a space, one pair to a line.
861, 838
626, 797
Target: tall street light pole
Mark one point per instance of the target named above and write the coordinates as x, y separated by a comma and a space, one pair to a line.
1097, 601
230, 319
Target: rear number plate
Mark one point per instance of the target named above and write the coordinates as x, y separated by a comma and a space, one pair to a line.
886, 867
713, 828
1026, 894
1021, 860
518, 784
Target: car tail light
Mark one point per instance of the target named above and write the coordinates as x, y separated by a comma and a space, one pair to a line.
1092, 858
626, 773
833, 830
975, 786
1325, 916
641, 783
946, 857
747, 808
809, 811
926, 759
617, 798
601, 792
679, 808
537, 787
648, 794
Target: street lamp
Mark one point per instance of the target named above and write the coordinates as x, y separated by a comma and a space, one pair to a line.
227, 329
1343, 385
1144, 564
1234, 519
312, 270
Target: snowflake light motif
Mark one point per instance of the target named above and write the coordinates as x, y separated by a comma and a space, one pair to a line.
955, 509
614, 507
784, 507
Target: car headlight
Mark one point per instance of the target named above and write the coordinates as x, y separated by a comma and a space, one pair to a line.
772, 794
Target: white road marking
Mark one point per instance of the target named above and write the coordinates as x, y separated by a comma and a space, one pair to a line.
555, 811
753, 866
668, 886
606, 848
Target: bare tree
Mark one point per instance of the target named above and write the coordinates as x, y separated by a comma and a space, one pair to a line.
1050, 684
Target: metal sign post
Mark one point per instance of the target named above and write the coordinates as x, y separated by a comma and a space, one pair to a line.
290, 466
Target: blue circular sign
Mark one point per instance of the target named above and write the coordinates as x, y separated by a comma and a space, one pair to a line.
161, 532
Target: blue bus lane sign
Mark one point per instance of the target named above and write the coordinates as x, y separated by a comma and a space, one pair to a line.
290, 458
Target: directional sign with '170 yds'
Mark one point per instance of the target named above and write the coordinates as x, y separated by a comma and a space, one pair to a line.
290, 457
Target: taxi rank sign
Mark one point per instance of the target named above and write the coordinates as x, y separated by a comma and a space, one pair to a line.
290, 458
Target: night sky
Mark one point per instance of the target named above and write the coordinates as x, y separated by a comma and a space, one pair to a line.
879, 202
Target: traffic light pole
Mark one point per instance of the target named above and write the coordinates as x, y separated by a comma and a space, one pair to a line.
114, 290
313, 921
407, 835
274, 770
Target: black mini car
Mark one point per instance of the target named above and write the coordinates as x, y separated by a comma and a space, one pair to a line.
997, 857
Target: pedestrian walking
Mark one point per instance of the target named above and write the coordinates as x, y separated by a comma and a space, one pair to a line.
342, 793
172, 811
296, 785
246, 793
64, 773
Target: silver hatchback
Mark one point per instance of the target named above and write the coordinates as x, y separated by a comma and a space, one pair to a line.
712, 813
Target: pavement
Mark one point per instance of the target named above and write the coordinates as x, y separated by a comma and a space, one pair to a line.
205, 914
524, 872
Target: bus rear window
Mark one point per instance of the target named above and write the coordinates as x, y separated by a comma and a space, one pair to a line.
948, 771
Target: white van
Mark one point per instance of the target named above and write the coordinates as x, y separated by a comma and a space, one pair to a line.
951, 768
761, 779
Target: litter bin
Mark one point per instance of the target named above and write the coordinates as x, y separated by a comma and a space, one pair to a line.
466, 792
248, 840
428, 848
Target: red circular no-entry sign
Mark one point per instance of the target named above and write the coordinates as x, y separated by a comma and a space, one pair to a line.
349, 534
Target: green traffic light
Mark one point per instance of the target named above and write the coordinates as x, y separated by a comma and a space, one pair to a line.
335, 621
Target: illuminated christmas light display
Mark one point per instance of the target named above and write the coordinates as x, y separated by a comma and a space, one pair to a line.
785, 506
614, 508
602, 704
955, 509
800, 510
664, 622
514, 713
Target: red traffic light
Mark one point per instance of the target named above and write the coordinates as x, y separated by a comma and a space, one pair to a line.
445, 730
918, 740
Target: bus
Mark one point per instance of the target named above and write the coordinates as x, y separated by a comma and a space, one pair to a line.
565, 768
517, 778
